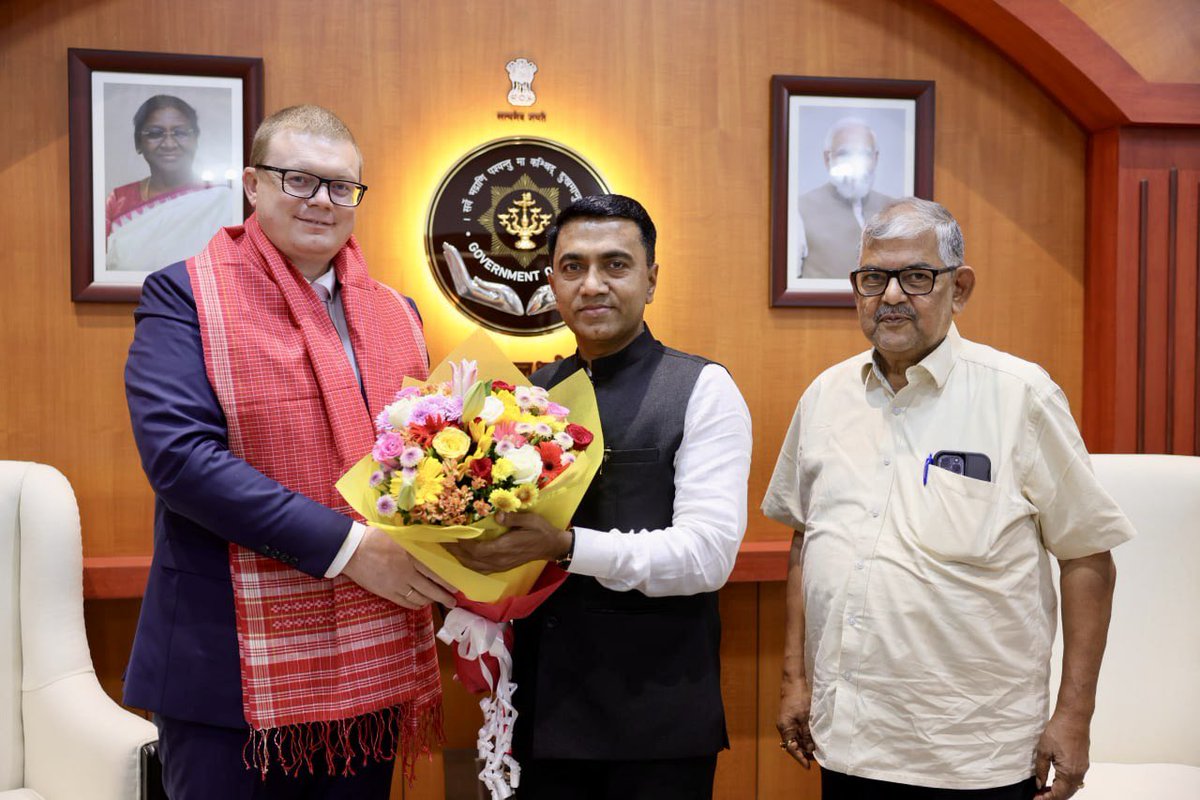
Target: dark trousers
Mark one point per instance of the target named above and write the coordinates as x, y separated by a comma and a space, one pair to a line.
669, 779
203, 762
836, 786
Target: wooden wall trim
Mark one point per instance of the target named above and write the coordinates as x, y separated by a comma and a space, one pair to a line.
1173, 298
1143, 301
1077, 68
124, 577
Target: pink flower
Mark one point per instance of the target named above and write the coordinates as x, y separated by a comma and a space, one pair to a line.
387, 446
556, 410
506, 431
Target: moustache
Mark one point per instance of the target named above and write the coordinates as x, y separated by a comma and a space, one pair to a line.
885, 310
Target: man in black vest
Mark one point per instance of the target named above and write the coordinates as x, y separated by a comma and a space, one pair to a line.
618, 673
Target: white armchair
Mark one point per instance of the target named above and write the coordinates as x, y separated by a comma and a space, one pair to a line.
61, 736
1145, 741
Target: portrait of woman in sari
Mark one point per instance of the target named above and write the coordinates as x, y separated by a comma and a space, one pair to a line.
170, 214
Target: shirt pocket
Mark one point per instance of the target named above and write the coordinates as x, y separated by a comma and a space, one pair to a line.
955, 520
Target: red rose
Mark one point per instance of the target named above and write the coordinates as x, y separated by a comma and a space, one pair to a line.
580, 435
481, 468
501, 386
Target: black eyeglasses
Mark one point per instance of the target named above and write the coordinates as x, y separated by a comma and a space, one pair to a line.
158, 134
914, 281
299, 183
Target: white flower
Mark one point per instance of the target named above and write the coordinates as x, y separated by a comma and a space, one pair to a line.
542, 429
564, 440
568, 458
528, 463
399, 411
539, 399
462, 376
492, 409
523, 396
524, 428
504, 447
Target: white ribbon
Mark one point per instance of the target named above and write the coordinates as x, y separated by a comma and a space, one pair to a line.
475, 637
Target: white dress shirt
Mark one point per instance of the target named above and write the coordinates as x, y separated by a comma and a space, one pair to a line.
930, 610
712, 466
327, 286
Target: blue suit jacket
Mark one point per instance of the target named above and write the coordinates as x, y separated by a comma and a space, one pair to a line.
185, 653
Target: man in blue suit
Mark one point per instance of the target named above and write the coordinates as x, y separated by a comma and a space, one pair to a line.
277, 634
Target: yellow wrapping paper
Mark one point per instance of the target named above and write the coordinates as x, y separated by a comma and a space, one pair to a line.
556, 502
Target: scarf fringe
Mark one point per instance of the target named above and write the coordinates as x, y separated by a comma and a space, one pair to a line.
346, 742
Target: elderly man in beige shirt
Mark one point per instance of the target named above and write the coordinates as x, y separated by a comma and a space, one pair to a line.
929, 481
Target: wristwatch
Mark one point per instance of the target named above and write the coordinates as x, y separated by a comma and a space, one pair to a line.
564, 562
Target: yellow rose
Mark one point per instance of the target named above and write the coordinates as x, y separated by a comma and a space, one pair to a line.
503, 468
451, 443
503, 500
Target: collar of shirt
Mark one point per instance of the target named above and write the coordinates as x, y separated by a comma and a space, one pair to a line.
937, 365
328, 280
607, 366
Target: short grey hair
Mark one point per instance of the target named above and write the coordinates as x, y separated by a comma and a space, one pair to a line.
908, 218
845, 124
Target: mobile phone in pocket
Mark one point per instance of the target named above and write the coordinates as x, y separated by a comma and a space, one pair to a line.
961, 462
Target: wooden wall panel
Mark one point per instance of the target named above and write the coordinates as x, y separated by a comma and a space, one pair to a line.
1159, 38
1142, 288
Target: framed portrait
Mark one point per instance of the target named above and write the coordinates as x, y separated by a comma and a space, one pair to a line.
157, 144
841, 149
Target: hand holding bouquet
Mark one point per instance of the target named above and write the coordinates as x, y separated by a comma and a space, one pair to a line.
474, 440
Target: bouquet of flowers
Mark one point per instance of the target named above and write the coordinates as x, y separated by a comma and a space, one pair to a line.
472, 440
453, 453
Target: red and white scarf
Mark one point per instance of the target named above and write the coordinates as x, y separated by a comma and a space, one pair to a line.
326, 665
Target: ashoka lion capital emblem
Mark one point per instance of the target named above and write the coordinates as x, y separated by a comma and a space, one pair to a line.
520, 73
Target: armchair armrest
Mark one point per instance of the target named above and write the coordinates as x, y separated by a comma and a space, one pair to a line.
79, 743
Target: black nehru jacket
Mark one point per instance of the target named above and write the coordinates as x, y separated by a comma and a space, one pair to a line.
613, 675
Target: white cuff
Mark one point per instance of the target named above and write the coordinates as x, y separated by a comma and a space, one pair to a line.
344, 553
593, 554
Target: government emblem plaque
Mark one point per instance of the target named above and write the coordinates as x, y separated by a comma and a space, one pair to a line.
486, 231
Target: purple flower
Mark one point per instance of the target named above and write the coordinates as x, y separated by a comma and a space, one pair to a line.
382, 423
411, 457
376, 477
386, 506
436, 405
408, 391
387, 446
